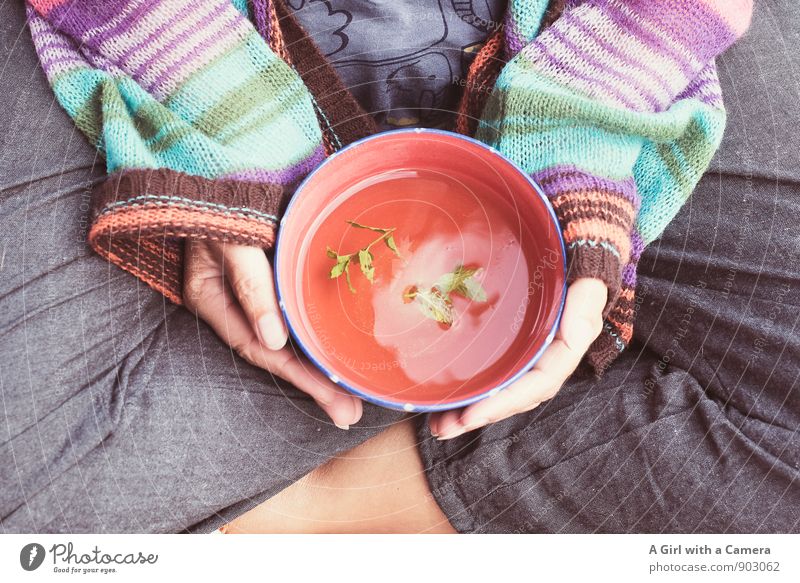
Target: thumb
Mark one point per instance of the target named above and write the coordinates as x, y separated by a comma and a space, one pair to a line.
582, 320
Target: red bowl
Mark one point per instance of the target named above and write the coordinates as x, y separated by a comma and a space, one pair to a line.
417, 337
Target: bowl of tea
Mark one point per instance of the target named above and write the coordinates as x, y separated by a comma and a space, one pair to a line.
420, 270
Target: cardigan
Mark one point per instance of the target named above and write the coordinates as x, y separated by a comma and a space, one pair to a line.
209, 114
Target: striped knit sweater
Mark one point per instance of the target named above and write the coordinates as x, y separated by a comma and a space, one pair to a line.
209, 113
205, 129
616, 110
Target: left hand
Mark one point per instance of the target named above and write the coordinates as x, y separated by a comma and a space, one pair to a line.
231, 288
581, 324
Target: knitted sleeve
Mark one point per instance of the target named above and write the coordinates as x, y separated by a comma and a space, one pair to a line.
616, 111
205, 131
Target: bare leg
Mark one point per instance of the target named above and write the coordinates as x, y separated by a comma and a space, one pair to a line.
377, 487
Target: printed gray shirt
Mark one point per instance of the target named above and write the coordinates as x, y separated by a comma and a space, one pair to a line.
403, 60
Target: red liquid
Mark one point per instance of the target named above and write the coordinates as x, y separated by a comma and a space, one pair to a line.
442, 221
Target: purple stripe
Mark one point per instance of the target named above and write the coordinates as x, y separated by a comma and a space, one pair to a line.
566, 178
714, 96
629, 270
72, 18
48, 66
575, 171
572, 18
260, 11
53, 42
576, 74
637, 245
655, 42
629, 275
156, 33
124, 27
288, 176
715, 101
698, 85
78, 18
706, 79
555, 170
697, 27
560, 186
196, 53
514, 42
650, 99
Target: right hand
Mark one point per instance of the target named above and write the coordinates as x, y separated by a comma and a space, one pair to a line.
231, 288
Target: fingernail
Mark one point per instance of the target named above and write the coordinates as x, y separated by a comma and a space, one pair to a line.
357, 411
476, 424
270, 328
345, 427
451, 435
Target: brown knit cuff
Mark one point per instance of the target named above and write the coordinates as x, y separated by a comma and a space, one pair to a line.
617, 332
481, 77
140, 218
341, 118
595, 262
596, 217
603, 352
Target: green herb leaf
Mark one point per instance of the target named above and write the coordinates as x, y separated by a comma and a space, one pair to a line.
360, 226
435, 305
472, 290
342, 262
391, 244
365, 257
365, 261
462, 281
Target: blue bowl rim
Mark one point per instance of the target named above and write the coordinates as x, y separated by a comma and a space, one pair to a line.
399, 405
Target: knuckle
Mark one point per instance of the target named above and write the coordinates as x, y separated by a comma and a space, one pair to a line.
244, 349
279, 364
245, 286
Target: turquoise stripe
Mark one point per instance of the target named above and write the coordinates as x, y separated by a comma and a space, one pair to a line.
268, 117
124, 148
241, 6
662, 192
76, 88
528, 17
546, 99
595, 151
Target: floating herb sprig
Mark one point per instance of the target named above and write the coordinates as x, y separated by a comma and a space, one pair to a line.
436, 303
364, 255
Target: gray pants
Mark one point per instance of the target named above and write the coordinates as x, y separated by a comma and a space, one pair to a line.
695, 428
119, 411
122, 412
